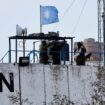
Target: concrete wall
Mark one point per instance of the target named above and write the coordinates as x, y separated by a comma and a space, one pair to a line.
48, 84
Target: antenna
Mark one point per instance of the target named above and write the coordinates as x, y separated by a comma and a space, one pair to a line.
25, 31
20, 31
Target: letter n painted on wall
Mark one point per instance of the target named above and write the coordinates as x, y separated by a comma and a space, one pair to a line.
8, 83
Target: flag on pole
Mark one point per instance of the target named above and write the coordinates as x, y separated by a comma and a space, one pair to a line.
49, 15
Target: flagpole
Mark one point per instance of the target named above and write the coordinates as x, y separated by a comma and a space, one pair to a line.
40, 21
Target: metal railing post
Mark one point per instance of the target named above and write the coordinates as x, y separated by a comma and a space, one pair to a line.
9, 50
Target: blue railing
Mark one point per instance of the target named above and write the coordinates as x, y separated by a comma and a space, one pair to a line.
1, 60
29, 52
36, 53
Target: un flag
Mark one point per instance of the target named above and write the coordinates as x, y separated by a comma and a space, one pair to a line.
49, 15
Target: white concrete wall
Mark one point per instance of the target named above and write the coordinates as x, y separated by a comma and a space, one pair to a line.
52, 85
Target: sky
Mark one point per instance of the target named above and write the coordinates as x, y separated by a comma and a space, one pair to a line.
26, 13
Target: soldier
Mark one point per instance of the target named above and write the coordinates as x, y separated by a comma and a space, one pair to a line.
55, 53
43, 53
79, 54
